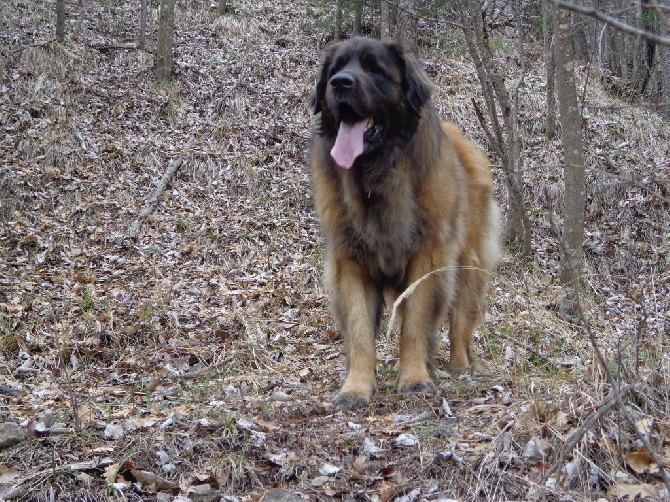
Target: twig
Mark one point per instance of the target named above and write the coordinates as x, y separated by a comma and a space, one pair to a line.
110, 47
10, 391
17, 489
36, 44
619, 25
410, 289
150, 206
574, 438
610, 108
659, 10
482, 122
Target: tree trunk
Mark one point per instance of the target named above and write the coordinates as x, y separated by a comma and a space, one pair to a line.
165, 41
221, 7
547, 32
407, 23
385, 21
651, 25
358, 16
60, 20
664, 65
82, 16
338, 20
573, 152
141, 42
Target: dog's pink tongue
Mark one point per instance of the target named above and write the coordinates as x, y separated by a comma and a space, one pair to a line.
349, 143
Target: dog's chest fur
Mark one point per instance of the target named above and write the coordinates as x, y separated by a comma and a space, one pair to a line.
383, 224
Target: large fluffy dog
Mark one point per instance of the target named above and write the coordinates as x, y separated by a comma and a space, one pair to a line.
399, 194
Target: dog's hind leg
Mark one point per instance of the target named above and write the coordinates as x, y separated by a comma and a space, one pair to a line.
423, 311
466, 315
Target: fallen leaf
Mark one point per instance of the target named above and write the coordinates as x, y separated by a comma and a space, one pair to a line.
536, 450
387, 471
406, 440
151, 482
572, 471
320, 481
633, 492
640, 461
645, 425
387, 494
113, 431
359, 464
329, 469
111, 472
7, 473
85, 415
371, 449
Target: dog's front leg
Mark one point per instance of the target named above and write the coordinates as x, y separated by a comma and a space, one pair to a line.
357, 307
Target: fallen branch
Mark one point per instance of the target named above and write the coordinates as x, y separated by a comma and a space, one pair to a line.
36, 44
150, 206
36, 478
111, 47
10, 391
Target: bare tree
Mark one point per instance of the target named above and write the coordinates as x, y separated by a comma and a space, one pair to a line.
571, 131
165, 41
407, 23
60, 20
503, 134
358, 16
630, 58
650, 24
143, 25
385, 20
82, 16
547, 31
338, 20
663, 12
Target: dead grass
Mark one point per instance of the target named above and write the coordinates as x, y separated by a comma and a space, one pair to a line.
215, 322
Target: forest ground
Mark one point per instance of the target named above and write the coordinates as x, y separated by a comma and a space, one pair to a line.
199, 359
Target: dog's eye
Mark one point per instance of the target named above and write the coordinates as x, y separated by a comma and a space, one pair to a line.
370, 64
375, 68
339, 63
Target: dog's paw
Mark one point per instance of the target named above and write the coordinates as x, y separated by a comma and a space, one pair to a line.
346, 401
475, 368
417, 388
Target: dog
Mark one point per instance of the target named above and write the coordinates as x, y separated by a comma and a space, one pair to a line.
401, 196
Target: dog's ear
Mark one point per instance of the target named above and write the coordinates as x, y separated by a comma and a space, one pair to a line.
416, 84
319, 93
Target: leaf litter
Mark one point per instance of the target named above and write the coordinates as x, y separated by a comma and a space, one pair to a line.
198, 360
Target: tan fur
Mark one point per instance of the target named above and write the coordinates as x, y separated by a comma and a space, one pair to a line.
436, 211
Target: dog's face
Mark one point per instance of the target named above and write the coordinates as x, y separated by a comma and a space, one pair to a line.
369, 93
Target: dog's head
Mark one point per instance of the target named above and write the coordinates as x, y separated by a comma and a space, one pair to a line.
369, 93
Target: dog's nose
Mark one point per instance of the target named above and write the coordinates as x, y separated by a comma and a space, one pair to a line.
342, 81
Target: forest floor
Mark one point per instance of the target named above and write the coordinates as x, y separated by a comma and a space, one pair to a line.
198, 360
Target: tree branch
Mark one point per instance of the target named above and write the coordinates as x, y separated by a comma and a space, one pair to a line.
615, 23
151, 204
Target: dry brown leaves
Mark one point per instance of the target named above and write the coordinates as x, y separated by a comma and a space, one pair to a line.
198, 360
